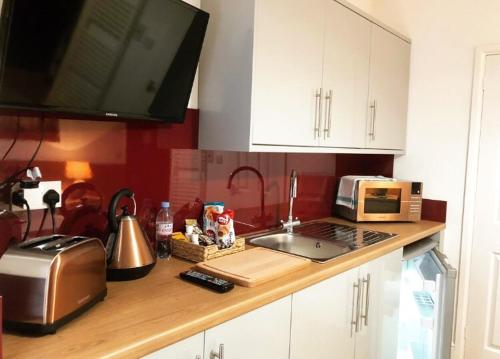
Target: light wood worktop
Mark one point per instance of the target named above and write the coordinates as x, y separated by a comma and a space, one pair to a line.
142, 316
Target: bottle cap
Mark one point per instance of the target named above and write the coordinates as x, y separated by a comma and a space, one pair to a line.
165, 204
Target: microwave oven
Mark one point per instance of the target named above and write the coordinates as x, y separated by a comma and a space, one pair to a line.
370, 199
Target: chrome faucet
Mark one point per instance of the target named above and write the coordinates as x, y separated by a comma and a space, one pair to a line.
290, 223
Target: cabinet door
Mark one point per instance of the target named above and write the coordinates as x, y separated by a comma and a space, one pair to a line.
381, 279
189, 348
388, 99
263, 333
321, 319
287, 71
345, 77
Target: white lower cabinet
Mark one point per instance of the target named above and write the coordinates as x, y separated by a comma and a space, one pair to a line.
381, 280
351, 315
189, 348
261, 334
321, 319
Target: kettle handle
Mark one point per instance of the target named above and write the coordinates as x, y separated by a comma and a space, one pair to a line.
125, 192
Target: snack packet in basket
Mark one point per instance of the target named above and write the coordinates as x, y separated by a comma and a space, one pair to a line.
225, 229
210, 213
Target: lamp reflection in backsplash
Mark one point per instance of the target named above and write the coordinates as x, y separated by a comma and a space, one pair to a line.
78, 171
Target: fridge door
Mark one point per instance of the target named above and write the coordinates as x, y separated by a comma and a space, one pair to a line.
445, 302
427, 302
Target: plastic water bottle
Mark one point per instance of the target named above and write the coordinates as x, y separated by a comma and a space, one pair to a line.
164, 229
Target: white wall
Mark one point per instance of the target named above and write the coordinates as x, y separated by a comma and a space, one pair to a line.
444, 36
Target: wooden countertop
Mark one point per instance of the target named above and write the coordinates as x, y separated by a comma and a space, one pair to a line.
142, 316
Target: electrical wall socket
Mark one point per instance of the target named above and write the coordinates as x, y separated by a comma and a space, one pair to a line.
34, 196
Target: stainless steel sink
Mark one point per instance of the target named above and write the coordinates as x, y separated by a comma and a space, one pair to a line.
320, 241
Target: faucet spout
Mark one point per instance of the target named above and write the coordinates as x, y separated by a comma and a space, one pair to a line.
290, 223
261, 180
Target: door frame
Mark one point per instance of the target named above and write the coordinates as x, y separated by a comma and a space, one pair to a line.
469, 198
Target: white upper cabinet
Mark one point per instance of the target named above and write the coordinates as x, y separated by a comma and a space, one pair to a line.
345, 77
287, 72
389, 77
300, 76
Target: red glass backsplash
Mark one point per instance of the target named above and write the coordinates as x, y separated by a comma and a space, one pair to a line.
94, 159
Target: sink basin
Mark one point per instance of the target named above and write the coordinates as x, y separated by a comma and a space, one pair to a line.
320, 241
316, 249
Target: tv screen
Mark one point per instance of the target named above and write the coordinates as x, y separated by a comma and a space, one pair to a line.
116, 58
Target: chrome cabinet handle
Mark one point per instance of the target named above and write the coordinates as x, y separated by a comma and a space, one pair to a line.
355, 323
367, 302
220, 353
358, 307
328, 124
353, 311
317, 112
373, 108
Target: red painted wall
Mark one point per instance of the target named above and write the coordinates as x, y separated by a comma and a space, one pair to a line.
94, 159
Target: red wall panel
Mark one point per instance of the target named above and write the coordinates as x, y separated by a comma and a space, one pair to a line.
160, 162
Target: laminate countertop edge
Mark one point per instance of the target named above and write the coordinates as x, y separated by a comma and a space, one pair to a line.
132, 322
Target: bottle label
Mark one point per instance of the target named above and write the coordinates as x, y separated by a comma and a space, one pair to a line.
164, 229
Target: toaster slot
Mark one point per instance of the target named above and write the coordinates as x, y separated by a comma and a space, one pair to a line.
64, 243
73, 240
40, 241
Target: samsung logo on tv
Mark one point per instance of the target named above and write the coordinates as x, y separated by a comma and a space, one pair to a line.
111, 114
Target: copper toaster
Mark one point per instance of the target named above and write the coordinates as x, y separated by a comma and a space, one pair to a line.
47, 281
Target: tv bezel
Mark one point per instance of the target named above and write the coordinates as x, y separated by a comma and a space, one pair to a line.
81, 113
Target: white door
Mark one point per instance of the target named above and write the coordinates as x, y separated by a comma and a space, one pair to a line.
345, 77
287, 71
189, 348
483, 319
263, 333
388, 94
321, 319
381, 278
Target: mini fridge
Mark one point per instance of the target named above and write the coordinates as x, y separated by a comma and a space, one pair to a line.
426, 303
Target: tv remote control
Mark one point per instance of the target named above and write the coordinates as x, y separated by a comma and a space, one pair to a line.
205, 280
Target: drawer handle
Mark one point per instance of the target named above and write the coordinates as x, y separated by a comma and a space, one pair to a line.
220, 353
355, 308
367, 302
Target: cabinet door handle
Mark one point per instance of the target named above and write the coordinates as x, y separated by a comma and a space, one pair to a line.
220, 353
317, 112
356, 296
367, 301
328, 124
373, 108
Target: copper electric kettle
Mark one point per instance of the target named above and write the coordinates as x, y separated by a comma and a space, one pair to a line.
129, 252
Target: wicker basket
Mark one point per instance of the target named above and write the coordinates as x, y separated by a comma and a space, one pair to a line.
197, 253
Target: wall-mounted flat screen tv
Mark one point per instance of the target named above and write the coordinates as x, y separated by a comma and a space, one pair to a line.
116, 58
